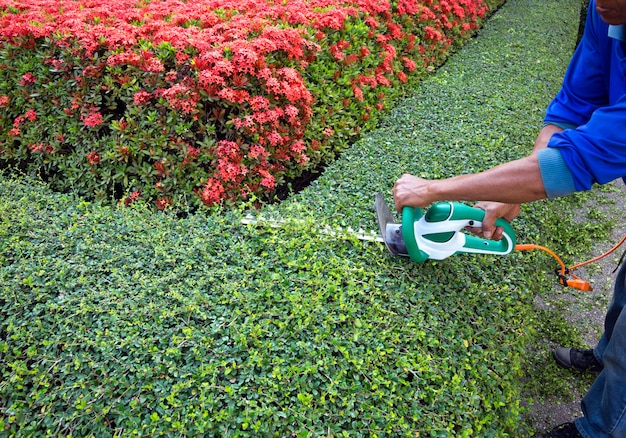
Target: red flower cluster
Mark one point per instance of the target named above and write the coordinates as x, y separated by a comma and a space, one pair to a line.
135, 195
93, 158
93, 118
229, 64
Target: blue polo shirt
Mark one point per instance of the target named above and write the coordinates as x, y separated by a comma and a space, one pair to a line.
591, 107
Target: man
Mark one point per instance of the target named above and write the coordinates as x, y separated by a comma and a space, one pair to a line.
582, 142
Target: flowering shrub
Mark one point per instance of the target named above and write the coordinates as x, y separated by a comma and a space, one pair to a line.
191, 103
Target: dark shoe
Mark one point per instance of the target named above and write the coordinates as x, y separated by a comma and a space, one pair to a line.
578, 359
566, 430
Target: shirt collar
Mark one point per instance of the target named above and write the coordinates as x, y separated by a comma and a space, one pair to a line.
618, 32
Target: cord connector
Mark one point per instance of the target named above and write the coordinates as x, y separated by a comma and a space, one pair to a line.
579, 283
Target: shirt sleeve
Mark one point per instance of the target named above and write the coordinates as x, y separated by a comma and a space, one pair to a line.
596, 151
556, 176
585, 85
593, 145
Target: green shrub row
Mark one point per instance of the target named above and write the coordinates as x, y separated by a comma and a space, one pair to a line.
128, 323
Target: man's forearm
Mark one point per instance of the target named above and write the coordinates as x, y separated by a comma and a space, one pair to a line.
514, 182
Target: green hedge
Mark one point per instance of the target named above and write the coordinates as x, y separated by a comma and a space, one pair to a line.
131, 323
128, 322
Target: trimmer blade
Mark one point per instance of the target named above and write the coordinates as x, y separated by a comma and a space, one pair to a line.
385, 218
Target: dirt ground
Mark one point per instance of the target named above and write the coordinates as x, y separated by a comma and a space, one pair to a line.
587, 309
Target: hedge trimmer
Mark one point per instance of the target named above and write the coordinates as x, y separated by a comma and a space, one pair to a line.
438, 234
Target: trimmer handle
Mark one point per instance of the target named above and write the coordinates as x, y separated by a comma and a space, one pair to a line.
438, 234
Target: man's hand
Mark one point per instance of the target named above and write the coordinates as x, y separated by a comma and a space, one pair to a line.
411, 191
494, 211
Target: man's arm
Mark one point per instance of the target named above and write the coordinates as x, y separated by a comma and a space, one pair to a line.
496, 210
514, 182
583, 92
544, 136
522, 177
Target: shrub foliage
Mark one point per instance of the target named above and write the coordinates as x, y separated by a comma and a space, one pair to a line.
192, 103
127, 323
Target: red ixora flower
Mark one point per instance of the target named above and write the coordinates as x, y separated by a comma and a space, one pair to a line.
28, 79
213, 192
141, 97
93, 157
163, 203
267, 180
40, 147
30, 115
93, 119
132, 197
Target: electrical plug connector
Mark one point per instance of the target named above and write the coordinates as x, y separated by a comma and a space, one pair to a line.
579, 283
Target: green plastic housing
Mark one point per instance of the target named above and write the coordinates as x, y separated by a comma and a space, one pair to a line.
458, 215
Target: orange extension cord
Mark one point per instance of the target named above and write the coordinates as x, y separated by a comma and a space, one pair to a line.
566, 278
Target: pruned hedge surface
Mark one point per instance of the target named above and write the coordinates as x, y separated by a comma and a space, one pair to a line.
127, 322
